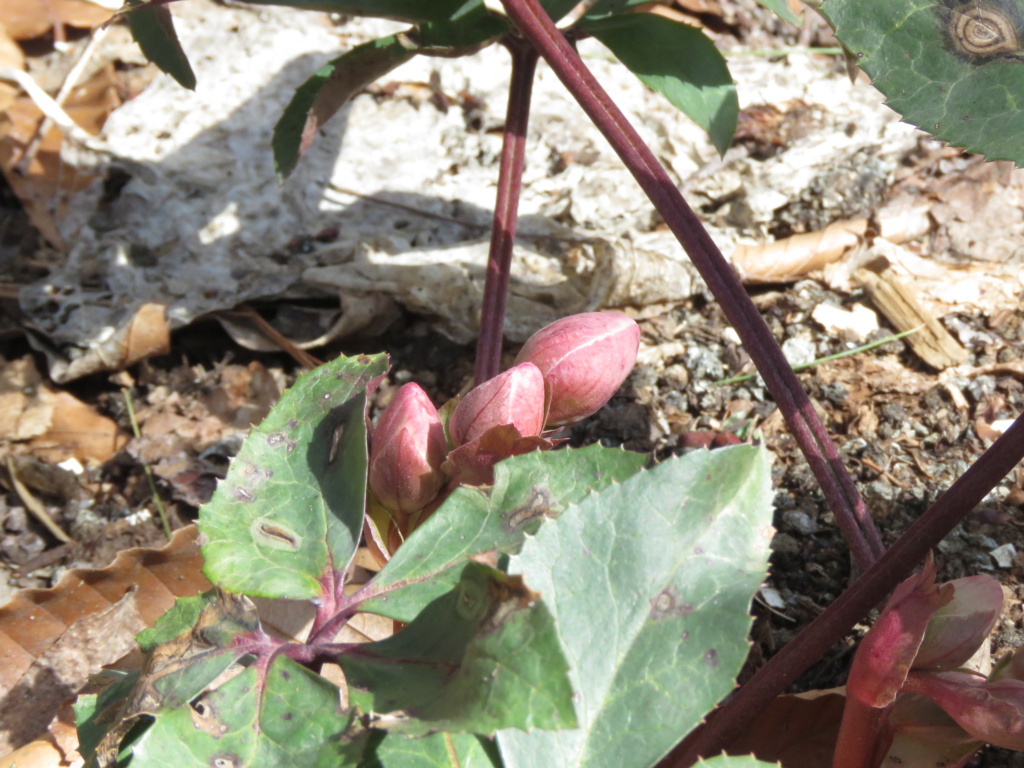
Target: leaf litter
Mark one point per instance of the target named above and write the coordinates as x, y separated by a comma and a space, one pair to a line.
905, 429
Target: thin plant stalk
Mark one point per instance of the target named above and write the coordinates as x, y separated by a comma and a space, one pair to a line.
844, 500
725, 724
506, 211
157, 501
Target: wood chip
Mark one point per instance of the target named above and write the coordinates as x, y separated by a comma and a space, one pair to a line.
898, 303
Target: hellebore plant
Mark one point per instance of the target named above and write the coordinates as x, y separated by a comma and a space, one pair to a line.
558, 601
521, 608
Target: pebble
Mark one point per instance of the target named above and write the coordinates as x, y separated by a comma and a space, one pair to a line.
1003, 555
785, 544
800, 522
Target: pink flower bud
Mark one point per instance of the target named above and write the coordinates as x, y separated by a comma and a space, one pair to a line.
584, 359
514, 398
408, 449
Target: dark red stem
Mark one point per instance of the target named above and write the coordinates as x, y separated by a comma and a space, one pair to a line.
857, 526
896, 564
506, 211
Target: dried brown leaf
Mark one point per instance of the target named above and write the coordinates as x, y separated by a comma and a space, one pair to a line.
789, 259
23, 413
34, 619
57, 748
47, 182
148, 334
25, 20
56, 676
77, 430
56, 425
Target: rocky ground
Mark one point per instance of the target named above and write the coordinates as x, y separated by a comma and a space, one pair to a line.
905, 427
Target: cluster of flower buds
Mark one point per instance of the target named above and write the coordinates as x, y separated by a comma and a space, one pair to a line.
910, 697
564, 373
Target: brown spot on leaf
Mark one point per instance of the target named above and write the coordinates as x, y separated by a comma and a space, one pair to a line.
276, 535
204, 718
537, 506
336, 436
667, 604
711, 657
243, 494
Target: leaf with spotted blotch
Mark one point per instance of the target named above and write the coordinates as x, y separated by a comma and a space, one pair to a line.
952, 67
481, 657
528, 490
275, 718
649, 583
290, 510
440, 750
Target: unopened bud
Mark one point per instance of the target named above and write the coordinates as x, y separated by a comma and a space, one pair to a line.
584, 359
408, 449
514, 398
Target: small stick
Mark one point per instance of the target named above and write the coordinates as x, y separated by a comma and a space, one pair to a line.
54, 111
157, 501
301, 356
28, 154
34, 505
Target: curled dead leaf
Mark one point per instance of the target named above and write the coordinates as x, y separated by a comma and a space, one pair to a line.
27, 20
54, 425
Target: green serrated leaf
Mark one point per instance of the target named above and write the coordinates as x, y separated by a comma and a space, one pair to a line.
413, 11
153, 29
291, 717
318, 99
291, 507
440, 750
179, 618
942, 69
679, 62
527, 490
482, 657
781, 9
649, 583
611, 7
